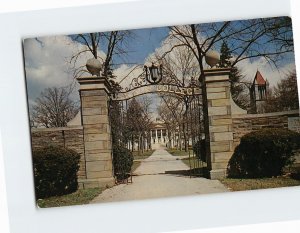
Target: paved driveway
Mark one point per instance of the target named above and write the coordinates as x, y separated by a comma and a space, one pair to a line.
152, 180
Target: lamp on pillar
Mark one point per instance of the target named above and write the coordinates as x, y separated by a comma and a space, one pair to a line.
153, 73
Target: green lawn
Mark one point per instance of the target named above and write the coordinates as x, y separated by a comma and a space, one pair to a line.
81, 196
145, 155
178, 152
292, 178
265, 183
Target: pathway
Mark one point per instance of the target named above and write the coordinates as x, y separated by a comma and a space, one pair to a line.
152, 181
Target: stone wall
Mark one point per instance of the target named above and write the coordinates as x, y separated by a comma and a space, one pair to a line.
243, 124
69, 137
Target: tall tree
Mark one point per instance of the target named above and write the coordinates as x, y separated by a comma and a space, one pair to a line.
171, 110
284, 96
247, 40
113, 44
54, 108
239, 90
138, 122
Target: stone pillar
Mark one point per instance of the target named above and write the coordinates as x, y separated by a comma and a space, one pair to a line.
156, 138
97, 134
220, 120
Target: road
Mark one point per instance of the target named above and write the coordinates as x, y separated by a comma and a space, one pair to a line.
156, 178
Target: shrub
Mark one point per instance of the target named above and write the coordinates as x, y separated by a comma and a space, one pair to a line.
122, 161
263, 153
199, 150
55, 171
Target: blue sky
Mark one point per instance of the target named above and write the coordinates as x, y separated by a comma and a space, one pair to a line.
46, 60
141, 43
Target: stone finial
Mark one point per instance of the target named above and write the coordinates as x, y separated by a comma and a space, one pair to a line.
212, 58
94, 66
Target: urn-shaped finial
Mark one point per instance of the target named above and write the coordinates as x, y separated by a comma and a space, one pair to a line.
212, 58
94, 66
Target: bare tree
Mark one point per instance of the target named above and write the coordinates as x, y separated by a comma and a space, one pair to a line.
171, 110
179, 68
54, 108
284, 96
138, 122
246, 39
112, 43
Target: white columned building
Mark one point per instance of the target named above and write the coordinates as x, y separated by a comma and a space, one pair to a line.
158, 134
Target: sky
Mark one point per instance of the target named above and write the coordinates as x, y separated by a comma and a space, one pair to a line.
47, 61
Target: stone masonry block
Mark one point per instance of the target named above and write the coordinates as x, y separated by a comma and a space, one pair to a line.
84, 93
220, 148
224, 121
98, 145
96, 128
217, 78
217, 129
98, 156
222, 156
97, 137
225, 136
217, 111
94, 98
94, 111
96, 119
220, 165
217, 84
220, 102
215, 89
212, 96
95, 166
93, 104
98, 174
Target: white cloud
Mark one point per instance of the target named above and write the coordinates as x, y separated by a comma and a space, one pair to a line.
47, 63
273, 75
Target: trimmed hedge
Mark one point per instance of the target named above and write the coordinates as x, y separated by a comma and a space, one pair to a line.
199, 150
263, 153
55, 171
122, 161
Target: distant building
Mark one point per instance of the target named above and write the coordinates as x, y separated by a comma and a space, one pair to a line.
258, 93
158, 132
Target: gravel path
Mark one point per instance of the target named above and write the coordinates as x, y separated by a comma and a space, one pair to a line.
152, 182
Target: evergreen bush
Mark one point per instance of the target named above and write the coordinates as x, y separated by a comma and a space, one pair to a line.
263, 153
55, 171
122, 161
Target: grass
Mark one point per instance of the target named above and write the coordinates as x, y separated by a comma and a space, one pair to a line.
264, 183
81, 196
177, 152
145, 155
292, 178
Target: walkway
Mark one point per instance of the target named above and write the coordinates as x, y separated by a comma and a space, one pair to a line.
153, 181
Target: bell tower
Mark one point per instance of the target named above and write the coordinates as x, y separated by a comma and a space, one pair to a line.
258, 93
